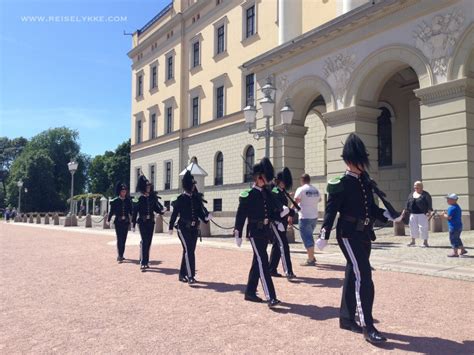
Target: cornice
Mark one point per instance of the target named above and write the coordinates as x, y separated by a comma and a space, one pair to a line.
351, 114
446, 91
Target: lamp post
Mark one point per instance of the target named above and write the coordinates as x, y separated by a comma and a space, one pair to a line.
268, 103
20, 185
72, 166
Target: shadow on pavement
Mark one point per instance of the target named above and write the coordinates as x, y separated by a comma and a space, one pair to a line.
163, 270
427, 345
316, 282
221, 287
307, 310
137, 262
331, 267
386, 245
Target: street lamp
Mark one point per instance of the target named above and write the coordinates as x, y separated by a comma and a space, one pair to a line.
20, 185
72, 166
268, 104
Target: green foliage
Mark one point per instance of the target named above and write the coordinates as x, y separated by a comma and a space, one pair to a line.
10, 149
107, 169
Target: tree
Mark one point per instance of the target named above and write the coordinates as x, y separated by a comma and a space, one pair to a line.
10, 149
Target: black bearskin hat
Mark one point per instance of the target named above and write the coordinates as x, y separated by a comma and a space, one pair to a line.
188, 181
119, 186
286, 178
268, 169
141, 184
257, 170
354, 152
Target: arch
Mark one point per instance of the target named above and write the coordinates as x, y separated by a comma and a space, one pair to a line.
249, 155
371, 75
390, 109
302, 93
462, 63
219, 169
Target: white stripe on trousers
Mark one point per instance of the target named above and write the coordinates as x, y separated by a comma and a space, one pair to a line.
260, 268
188, 264
355, 266
282, 250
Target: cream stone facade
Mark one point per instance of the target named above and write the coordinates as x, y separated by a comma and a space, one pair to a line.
400, 73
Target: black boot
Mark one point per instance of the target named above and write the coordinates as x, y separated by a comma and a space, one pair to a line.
373, 336
183, 278
350, 325
273, 302
253, 298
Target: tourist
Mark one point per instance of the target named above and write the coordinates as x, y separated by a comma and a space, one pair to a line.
419, 207
454, 215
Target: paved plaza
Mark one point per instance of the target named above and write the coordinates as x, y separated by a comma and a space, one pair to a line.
63, 292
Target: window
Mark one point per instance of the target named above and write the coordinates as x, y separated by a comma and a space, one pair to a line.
168, 175
169, 68
196, 54
217, 205
152, 174
249, 89
220, 102
153, 126
384, 133
140, 86
167, 205
218, 180
169, 119
139, 131
249, 161
195, 115
220, 40
154, 77
250, 22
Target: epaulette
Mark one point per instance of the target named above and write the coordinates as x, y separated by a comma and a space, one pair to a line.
245, 193
275, 190
135, 199
115, 198
335, 185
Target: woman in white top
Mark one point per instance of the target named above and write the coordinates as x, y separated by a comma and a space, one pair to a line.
419, 206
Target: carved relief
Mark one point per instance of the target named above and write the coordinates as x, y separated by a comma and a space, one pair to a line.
282, 83
437, 39
338, 70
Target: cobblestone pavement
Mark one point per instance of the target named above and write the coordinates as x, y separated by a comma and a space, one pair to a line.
63, 292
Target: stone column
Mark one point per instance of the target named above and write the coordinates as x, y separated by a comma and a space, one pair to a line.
447, 136
290, 13
289, 150
361, 120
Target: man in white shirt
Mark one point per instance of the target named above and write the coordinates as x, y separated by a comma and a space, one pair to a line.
308, 197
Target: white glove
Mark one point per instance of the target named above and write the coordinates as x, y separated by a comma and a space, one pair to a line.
209, 217
387, 215
398, 219
133, 229
238, 240
281, 227
285, 211
321, 243
170, 232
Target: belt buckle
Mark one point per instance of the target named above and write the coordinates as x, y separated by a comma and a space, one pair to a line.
193, 223
366, 221
123, 218
147, 216
265, 221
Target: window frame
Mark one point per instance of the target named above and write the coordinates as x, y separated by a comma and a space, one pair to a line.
248, 165
169, 128
219, 169
246, 88
222, 105
152, 173
167, 183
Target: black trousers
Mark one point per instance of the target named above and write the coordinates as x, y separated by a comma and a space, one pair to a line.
260, 269
358, 290
280, 250
121, 230
188, 238
146, 233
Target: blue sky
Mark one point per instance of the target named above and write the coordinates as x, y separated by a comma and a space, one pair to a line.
73, 74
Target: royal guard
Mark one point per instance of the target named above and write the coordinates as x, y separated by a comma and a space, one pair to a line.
352, 195
121, 208
144, 210
189, 206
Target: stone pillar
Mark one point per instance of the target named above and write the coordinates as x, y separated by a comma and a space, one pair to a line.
67, 221
205, 229
361, 120
88, 221
46, 219
447, 136
93, 206
290, 13
73, 220
159, 224
398, 228
290, 234
103, 205
104, 224
87, 205
56, 219
30, 220
289, 150
38, 219
25, 218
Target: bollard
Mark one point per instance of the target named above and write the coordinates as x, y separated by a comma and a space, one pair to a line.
38, 219
73, 221
290, 234
88, 221
16, 219
436, 224
159, 224
25, 218
67, 221
56, 219
46, 219
205, 229
398, 228
105, 225
30, 220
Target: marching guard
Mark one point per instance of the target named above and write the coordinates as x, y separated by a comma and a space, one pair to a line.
258, 207
189, 206
352, 196
281, 248
121, 208
144, 214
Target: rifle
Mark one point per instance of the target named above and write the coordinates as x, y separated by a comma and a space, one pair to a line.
393, 212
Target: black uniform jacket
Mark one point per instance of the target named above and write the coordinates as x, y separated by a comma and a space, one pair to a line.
190, 209
144, 208
351, 196
282, 199
122, 209
260, 208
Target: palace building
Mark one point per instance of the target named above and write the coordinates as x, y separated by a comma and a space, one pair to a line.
400, 73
